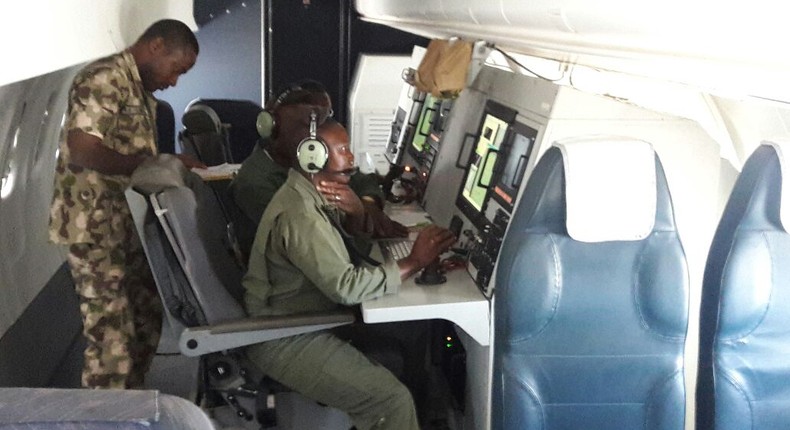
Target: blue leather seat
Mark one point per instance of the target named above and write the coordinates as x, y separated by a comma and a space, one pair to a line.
588, 335
744, 372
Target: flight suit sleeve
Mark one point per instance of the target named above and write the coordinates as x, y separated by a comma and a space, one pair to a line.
251, 197
367, 185
317, 250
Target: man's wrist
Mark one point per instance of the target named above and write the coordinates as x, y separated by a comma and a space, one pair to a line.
370, 200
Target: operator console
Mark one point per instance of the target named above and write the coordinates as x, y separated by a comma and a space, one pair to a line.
494, 174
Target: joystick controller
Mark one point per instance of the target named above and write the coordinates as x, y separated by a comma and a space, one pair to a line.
431, 275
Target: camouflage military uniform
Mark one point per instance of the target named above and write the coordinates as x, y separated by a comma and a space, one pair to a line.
121, 309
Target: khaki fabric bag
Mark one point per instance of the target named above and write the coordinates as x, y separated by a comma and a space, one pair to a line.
442, 71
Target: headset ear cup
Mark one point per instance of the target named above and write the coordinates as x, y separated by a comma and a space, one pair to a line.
312, 154
265, 124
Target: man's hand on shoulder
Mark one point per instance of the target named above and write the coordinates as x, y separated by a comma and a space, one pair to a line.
343, 197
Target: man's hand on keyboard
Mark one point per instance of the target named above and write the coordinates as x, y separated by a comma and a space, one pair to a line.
431, 242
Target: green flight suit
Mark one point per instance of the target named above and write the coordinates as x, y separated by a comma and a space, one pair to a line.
260, 177
298, 263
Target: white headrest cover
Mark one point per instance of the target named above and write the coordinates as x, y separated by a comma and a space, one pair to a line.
782, 147
610, 188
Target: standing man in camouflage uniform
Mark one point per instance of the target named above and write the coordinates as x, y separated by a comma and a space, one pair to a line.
110, 129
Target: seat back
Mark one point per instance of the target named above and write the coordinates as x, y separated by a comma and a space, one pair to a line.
205, 136
67, 409
165, 128
590, 334
744, 370
240, 115
184, 234
202, 247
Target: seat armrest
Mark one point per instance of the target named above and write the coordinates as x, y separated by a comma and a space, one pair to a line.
196, 341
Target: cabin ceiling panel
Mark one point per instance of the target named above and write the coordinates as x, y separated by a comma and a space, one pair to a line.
696, 42
208, 10
38, 39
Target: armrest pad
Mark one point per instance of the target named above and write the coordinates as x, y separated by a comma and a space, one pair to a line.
270, 322
202, 340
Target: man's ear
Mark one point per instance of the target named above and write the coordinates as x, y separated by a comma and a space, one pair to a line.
156, 45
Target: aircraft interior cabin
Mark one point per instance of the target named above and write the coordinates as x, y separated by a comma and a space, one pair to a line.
612, 173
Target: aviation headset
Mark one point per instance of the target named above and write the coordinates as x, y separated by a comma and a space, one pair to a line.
312, 152
266, 123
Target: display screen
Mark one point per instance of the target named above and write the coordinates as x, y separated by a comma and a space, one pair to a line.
394, 137
419, 143
519, 147
440, 117
481, 167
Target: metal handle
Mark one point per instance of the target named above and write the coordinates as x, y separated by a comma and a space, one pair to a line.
519, 173
483, 169
463, 148
424, 120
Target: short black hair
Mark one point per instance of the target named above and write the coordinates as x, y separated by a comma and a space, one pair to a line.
329, 121
175, 33
292, 95
312, 86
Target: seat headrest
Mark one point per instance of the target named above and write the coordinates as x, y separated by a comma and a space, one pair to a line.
158, 173
200, 118
610, 188
782, 147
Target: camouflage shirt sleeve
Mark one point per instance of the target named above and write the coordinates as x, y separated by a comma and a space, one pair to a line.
95, 101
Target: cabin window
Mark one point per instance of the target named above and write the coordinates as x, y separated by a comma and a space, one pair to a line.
44, 143
8, 173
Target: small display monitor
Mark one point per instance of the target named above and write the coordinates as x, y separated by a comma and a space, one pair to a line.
517, 149
419, 143
396, 129
440, 118
474, 193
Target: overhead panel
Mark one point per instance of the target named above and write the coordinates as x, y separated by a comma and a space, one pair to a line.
726, 45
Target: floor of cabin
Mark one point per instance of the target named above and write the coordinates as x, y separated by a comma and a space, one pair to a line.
296, 412
176, 374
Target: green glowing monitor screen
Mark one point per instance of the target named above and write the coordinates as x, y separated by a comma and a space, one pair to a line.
481, 168
420, 142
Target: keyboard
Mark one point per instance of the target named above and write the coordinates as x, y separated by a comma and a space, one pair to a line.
395, 249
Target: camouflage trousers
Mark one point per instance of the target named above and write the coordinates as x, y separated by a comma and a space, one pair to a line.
121, 312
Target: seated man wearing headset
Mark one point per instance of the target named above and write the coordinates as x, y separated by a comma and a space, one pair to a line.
265, 170
299, 263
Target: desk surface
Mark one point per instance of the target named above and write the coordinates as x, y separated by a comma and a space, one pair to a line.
458, 300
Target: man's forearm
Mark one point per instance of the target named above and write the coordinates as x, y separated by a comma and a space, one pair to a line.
87, 151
